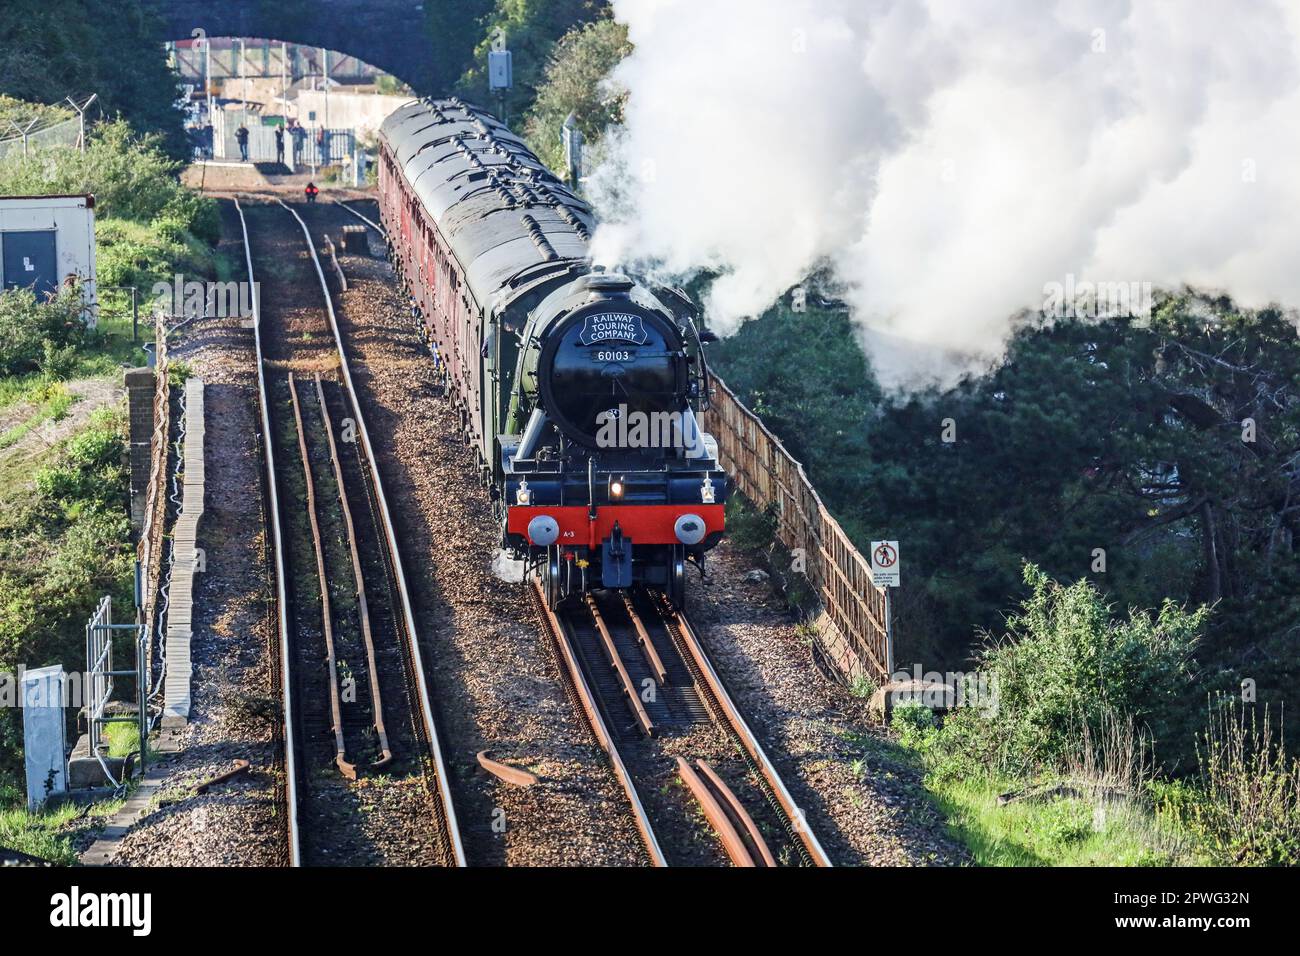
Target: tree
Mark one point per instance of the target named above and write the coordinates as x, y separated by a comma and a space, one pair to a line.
575, 82
51, 49
1157, 459
456, 29
531, 29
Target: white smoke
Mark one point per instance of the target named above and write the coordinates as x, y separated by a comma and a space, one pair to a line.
949, 158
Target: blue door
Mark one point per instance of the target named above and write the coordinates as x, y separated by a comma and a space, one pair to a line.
29, 261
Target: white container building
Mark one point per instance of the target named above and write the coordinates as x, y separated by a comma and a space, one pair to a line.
47, 242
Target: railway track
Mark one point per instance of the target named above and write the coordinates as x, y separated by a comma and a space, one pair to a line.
699, 785
364, 775
680, 748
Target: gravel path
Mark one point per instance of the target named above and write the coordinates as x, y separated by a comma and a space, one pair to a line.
866, 809
238, 822
495, 684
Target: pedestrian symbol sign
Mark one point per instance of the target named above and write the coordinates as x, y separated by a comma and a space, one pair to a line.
884, 563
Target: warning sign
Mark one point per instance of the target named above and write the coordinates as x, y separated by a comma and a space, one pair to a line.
884, 563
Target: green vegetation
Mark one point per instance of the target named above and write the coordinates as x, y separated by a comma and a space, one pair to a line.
130, 175
1243, 805
64, 542
531, 29
1059, 831
574, 83
50, 49
48, 834
1065, 734
21, 112
64, 533
1108, 450
34, 333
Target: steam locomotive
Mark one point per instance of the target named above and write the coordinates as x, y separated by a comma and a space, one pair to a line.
578, 388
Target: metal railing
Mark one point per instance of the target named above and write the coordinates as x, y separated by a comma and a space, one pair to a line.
101, 678
769, 476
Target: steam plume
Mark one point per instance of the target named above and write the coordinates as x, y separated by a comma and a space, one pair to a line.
946, 159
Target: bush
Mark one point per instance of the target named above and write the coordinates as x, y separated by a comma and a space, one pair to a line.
576, 83
1066, 664
136, 254
131, 179
58, 362
750, 530
33, 328
915, 724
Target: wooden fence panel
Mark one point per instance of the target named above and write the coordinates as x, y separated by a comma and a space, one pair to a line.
765, 473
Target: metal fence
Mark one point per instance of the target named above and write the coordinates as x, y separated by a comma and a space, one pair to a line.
314, 146
63, 133
767, 475
101, 679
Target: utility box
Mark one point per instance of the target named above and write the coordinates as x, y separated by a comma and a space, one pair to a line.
47, 242
44, 734
500, 73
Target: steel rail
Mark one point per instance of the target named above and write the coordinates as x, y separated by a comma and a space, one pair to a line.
331, 658
629, 689
682, 630
277, 535
369, 222
735, 847
560, 640
363, 608
503, 771
647, 645
442, 782
737, 811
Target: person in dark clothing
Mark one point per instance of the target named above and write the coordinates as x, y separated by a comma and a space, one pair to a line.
279, 145
299, 137
311, 192
322, 146
241, 136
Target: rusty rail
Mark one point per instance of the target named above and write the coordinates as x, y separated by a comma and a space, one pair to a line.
629, 689
503, 771
445, 808
282, 665
647, 645
767, 474
737, 811
726, 711
336, 710
577, 683
363, 609
735, 847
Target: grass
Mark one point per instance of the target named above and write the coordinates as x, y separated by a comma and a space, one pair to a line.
48, 834
1060, 831
52, 401
1045, 830
106, 355
122, 738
